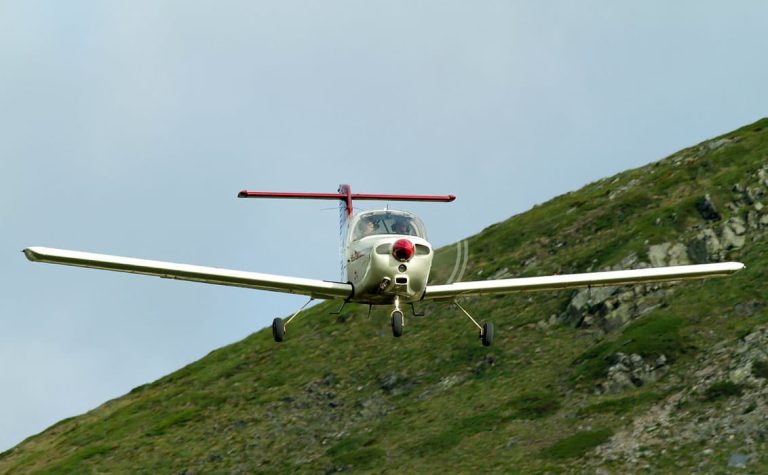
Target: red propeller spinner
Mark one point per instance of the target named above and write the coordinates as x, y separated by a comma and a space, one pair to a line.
403, 250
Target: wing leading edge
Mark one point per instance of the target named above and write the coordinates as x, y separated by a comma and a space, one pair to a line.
569, 281
319, 289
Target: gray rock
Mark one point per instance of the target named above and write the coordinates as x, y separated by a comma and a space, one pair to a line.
587, 302
707, 209
731, 239
628, 262
737, 225
678, 255
668, 254
737, 460
762, 175
747, 309
753, 219
388, 382
753, 194
715, 144
631, 371
658, 254
705, 247
740, 375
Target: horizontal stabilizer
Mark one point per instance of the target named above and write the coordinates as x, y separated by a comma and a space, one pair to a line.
342, 196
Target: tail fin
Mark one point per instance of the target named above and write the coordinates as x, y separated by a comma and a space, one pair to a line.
345, 212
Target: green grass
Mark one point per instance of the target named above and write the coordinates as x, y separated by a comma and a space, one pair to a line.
76, 462
621, 405
356, 453
760, 369
175, 419
723, 390
576, 445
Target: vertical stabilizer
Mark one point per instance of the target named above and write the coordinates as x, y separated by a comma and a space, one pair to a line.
345, 212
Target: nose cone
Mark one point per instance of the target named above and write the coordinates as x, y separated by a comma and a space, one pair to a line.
403, 250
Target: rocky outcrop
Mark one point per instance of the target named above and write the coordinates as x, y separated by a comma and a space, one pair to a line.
632, 371
668, 254
733, 234
692, 417
705, 247
609, 308
707, 209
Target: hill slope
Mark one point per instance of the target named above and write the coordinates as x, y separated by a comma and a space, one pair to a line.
664, 377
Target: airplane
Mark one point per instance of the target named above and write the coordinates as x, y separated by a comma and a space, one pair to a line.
386, 260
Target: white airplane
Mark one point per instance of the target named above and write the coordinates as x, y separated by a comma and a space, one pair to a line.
386, 260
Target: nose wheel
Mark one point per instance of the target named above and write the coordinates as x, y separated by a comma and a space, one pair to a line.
397, 323
398, 320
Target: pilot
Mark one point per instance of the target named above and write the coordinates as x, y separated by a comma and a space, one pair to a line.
368, 227
401, 227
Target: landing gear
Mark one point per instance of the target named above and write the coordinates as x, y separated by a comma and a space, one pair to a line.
486, 335
486, 330
278, 325
278, 330
397, 323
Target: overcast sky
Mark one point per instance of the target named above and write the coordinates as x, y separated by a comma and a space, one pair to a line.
129, 127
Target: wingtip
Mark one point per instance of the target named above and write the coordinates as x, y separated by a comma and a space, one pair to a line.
30, 253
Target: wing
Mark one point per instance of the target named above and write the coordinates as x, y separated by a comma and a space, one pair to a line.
319, 289
593, 279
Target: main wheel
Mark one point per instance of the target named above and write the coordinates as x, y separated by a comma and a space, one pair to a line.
278, 329
397, 323
487, 335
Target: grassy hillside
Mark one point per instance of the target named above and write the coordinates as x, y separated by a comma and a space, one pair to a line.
663, 378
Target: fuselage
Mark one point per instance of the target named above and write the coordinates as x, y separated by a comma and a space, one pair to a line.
386, 256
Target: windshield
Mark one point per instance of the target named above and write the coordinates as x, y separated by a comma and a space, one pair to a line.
388, 222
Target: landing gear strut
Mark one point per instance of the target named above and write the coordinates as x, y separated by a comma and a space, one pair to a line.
398, 320
278, 325
486, 330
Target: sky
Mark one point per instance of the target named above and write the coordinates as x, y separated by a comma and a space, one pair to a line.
129, 127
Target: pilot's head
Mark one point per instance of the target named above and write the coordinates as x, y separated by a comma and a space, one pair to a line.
400, 226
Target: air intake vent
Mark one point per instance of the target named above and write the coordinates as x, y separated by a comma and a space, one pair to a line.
401, 280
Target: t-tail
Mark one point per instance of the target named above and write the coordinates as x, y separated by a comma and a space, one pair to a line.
346, 211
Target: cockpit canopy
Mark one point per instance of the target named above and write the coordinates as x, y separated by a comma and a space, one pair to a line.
387, 222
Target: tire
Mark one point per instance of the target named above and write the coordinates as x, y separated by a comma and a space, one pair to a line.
397, 324
278, 330
487, 335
